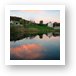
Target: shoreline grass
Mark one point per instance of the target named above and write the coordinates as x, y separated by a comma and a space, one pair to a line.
18, 32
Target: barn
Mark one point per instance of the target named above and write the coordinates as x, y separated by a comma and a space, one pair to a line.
50, 24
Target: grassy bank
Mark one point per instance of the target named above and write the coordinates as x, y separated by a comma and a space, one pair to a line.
18, 32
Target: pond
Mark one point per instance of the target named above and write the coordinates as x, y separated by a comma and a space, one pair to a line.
37, 47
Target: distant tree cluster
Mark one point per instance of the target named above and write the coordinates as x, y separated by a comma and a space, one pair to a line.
41, 22
56, 24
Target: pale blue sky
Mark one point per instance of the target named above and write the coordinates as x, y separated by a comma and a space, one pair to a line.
37, 15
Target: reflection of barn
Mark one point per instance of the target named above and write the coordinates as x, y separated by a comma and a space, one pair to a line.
50, 24
56, 25
49, 34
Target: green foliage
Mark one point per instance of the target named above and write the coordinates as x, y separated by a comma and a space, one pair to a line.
18, 32
28, 29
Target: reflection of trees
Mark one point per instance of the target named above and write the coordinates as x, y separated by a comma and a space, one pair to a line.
49, 35
56, 34
41, 36
31, 36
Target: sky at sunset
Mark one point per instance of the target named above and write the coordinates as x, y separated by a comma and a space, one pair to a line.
37, 15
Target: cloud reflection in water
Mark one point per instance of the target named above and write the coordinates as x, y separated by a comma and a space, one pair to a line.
28, 52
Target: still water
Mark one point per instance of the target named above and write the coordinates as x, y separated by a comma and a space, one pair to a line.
38, 47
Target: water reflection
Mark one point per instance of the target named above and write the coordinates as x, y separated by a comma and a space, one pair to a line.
56, 34
40, 36
29, 51
36, 47
49, 35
